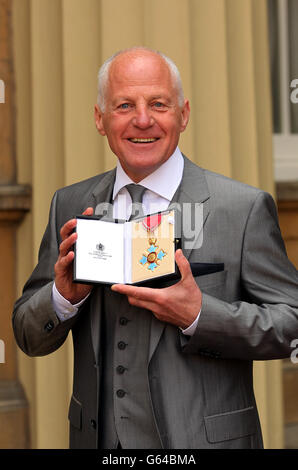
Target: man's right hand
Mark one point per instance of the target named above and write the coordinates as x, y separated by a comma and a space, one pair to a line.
71, 291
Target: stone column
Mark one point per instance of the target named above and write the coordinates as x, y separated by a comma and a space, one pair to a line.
14, 203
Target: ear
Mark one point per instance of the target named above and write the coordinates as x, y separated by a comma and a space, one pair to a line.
98, 120
185, 112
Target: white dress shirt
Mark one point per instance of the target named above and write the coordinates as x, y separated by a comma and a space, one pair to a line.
157, 197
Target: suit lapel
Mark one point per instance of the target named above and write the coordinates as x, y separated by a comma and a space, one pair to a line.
102, 196
193, 189
101, 202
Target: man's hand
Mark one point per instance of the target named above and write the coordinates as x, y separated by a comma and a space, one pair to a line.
178, 304
71, 291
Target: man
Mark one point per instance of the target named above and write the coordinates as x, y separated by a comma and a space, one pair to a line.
167, 367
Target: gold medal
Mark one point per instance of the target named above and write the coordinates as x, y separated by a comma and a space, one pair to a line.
153, 257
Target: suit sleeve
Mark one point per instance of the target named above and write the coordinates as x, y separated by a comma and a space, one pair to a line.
36, 326
263, 325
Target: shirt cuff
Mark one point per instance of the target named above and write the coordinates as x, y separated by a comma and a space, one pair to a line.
189, 331
63, 308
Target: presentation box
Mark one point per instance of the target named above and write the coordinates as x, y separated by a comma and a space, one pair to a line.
133, 252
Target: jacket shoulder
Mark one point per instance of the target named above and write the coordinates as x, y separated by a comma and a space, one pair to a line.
239, 199
217, 180
72, 200
226, 192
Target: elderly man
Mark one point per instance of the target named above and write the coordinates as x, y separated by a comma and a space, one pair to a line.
166, 367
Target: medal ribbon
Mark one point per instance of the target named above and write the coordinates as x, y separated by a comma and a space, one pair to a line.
151, 222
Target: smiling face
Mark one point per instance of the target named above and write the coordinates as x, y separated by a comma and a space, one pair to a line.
142, 118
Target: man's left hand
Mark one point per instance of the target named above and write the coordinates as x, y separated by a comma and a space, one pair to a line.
178, 304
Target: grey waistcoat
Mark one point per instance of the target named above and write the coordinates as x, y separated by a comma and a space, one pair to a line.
126, 410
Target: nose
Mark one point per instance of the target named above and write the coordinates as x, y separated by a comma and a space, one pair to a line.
143, 117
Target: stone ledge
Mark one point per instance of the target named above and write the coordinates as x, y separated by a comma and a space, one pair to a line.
15, 197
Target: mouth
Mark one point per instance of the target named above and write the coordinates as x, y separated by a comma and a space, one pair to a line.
143, 141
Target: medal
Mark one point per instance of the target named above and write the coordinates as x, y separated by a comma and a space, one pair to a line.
151, 222
153, 257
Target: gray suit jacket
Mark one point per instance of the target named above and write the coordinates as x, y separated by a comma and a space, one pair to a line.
201, 387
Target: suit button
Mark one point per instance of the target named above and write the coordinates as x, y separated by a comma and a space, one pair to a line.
120, 369
93, 423
123, 321
120, 393
49, 326
121, 345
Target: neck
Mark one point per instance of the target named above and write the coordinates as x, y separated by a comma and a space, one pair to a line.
137, 177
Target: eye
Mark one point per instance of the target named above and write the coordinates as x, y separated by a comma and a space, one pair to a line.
159, 106
124, 106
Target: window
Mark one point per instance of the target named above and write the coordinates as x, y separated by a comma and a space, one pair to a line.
283, 35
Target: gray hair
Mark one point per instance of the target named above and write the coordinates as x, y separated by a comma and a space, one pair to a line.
103, 74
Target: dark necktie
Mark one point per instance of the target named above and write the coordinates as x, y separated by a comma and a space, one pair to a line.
136, 192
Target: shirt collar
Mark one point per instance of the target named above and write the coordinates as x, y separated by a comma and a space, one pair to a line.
164, 181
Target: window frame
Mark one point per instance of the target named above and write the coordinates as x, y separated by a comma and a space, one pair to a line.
285, 143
